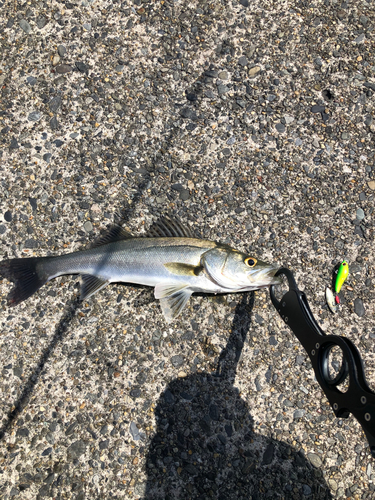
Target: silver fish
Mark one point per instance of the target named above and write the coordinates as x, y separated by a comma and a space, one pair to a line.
169, 258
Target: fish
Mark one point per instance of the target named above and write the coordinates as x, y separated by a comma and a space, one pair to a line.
169, 257
342, 274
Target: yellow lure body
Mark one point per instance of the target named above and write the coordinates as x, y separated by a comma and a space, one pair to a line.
342, 274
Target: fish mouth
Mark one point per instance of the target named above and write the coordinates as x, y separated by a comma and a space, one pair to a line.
265, 277
274, 280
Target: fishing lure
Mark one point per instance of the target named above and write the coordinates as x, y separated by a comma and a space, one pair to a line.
331, 302
342, 274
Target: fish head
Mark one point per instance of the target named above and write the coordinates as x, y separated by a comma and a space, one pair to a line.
234, 270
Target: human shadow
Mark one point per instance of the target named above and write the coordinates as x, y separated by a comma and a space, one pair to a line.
205, 446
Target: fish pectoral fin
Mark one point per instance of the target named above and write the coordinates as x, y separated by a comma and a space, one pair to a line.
173, 298
90, 285
181, 269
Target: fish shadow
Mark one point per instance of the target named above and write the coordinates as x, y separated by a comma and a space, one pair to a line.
205, 446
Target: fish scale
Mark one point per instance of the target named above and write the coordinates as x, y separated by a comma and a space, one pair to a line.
137, 260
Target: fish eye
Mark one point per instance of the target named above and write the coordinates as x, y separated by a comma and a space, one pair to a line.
250, 262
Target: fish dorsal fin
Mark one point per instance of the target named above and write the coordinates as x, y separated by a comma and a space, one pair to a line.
90, 285
169, 226
114, 233
173, 298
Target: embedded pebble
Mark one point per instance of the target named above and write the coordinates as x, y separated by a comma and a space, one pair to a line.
306, 490
88, 226
25, 26
61, 49
14, 143
360, 38
76, 449
55, 103
34, 116
253, 71
41, 22
288, 119
359, 308
81, 66
177, 360
315, 459
8, 216
222, 89
134, 431
360, 214
31, 80
332, 484
63, 68
298, 414
54, 124
317, 108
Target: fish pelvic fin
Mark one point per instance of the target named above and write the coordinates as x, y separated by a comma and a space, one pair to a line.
28, 276
90, 285
173, 299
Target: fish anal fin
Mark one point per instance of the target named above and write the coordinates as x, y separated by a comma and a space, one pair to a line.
181, 269
173, 298
173, 304
163, 290
169, 226
114, 233
90, 285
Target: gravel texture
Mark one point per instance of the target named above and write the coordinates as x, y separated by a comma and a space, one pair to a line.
254, 122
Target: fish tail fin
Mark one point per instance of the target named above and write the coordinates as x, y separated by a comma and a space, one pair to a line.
27, 274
